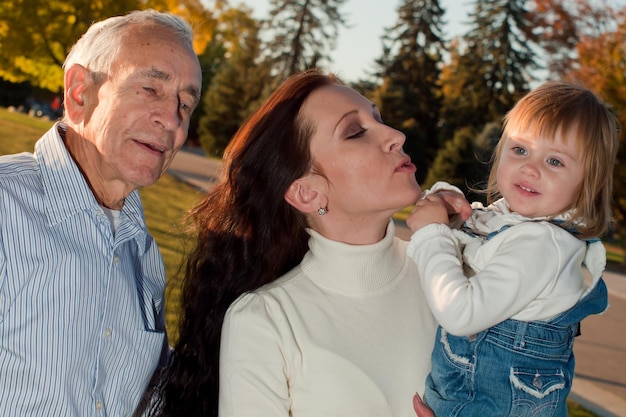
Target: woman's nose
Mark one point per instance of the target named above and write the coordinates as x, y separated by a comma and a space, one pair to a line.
395, 139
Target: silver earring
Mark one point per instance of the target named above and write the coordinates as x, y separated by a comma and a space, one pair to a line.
322, 211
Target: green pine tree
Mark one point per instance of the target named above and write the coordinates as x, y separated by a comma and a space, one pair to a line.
409, 96
303, 32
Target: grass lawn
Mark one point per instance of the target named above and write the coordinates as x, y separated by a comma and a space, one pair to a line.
165, 204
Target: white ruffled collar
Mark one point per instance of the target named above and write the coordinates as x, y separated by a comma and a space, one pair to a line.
485, 220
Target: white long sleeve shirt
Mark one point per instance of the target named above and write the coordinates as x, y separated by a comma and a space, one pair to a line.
346, 333
530, 271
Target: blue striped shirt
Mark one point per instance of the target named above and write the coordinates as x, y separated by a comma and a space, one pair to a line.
81, 308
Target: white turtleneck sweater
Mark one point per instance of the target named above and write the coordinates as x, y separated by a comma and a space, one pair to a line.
348, 332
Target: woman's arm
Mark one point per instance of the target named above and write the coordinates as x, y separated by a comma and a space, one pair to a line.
252, 368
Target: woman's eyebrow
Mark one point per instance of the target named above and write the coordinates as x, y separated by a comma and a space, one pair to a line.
354, 111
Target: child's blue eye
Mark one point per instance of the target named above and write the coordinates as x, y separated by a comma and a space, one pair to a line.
555, 162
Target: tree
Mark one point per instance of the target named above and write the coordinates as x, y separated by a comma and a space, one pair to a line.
409, 96
464, 160
35, 36
202, 20
465, 101
495, 63
303, 32
237, 85
559, 26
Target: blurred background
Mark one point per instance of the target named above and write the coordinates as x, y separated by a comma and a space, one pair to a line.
444, 72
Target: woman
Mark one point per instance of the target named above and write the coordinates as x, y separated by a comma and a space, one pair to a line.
329, 317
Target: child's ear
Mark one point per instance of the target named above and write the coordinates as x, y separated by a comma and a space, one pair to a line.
305, 194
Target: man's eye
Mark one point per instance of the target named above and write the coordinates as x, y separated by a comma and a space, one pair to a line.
149, 90
185, 107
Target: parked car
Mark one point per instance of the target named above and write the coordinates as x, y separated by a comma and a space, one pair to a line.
40, 108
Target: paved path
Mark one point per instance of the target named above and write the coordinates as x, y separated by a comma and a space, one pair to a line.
600, 382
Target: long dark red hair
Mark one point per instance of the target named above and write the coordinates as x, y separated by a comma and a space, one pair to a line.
248, 236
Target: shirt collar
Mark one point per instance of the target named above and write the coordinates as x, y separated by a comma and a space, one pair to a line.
66, 189
498, 214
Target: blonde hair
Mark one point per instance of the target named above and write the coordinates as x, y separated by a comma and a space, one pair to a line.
556, 109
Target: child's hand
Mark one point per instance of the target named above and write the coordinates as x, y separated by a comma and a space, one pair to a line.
421, 409
428, 210
459, 209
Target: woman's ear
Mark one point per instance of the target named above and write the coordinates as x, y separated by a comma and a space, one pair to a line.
76, 81
305, 194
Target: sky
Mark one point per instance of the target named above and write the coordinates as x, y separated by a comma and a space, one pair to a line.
360, 44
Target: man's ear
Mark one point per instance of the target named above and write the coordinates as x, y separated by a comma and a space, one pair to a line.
76, 81
305, 194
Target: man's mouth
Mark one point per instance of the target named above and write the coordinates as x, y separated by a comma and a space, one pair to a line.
153, 147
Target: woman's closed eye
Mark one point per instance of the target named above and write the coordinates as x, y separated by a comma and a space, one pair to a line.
359, 133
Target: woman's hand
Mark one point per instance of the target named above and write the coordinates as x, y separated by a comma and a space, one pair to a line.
421, 409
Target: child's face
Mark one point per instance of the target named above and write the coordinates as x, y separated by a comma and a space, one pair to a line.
539, 177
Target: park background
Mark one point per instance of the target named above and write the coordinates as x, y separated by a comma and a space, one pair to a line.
444, 72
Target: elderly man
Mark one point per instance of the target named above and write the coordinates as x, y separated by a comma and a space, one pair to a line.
81, 280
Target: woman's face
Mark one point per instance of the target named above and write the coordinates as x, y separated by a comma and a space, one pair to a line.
368, 174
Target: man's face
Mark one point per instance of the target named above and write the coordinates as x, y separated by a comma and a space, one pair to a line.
140, 116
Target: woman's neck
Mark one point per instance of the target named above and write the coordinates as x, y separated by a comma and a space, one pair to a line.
353, 231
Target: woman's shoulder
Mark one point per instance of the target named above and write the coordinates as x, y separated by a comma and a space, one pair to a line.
260, 297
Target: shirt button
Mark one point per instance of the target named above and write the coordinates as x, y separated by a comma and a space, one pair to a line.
107, 332
98, 405
116, 259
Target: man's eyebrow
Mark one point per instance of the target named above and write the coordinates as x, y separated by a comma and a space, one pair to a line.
164, 76
156, 74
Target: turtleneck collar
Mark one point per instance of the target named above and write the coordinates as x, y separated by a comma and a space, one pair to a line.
353, 269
